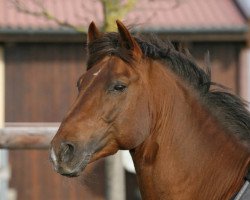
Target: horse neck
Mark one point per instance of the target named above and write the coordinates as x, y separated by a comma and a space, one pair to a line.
188, 154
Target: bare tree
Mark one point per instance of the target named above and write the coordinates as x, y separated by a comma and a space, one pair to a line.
115, 9
112, 10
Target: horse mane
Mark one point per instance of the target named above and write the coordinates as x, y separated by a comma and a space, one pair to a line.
229, 109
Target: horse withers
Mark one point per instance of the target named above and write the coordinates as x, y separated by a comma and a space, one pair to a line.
187, 142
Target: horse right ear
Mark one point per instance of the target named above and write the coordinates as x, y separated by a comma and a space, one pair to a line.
93, 32
127, 40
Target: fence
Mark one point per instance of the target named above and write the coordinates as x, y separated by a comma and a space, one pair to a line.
20, 136
27, 135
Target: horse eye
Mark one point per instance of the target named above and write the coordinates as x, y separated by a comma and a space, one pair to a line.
119, 87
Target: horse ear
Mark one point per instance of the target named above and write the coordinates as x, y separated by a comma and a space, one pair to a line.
93, 32
127, 40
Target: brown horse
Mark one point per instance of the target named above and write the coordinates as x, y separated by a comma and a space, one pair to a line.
188, 142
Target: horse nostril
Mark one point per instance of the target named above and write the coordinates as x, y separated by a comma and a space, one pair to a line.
67, 151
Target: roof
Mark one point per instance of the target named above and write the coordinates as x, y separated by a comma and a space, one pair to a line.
156, 15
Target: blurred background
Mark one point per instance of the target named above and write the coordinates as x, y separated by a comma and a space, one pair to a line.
42, 54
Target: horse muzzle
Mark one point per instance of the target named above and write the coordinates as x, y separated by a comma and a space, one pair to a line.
68, 160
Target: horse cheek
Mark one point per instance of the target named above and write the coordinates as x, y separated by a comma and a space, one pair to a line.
137, 126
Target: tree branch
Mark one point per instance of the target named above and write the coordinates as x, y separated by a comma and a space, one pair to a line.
43, 12
112, 10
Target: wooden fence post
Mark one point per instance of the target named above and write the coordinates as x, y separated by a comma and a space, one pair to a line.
4, 161
245, 74
115, 178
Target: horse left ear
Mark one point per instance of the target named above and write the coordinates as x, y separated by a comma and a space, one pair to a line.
127, 40
93, 32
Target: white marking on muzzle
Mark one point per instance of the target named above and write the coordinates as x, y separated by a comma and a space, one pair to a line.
53, 158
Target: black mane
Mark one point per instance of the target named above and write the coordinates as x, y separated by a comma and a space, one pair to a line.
229, 109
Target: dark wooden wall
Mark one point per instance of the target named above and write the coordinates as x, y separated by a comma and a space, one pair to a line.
40, 86
224, 58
